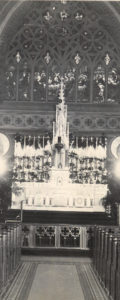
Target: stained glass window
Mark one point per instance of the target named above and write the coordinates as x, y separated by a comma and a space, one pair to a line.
66, 40
99, 84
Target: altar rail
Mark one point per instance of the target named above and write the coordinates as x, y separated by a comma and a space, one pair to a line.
10, 252
106, 259
56, 236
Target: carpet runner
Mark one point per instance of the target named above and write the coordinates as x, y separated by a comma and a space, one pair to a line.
51, 280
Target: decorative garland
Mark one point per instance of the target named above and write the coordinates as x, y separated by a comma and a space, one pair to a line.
32, 145
32, 158
87, 160
87, 141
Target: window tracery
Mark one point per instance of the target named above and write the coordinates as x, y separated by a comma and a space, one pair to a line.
65, 40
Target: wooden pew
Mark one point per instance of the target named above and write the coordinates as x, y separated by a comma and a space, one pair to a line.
114, 267
10, 252
117, 293
106, 259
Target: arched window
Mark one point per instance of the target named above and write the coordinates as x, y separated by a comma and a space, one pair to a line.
62, 40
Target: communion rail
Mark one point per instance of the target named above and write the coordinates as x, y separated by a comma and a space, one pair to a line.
56, 236
106, 259
10, 253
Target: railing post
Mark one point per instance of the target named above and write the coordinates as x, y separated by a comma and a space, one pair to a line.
105, 257
99, 250
102, 253
95, 247
114, 268
8, 254
109, 262
1, 262
57, 236
4, 258
118, 271
31, 236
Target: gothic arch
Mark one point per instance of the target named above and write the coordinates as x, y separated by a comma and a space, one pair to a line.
62, 40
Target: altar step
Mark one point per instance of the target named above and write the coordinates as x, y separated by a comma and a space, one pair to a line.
67, 252
58, 217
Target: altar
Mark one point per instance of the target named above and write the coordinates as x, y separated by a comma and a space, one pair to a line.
69, 197
58, 176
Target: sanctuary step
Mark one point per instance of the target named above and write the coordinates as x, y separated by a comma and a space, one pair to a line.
58, 217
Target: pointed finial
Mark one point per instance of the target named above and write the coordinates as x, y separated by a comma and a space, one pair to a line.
62, 88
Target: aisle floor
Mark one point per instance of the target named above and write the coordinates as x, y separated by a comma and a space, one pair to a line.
55, 278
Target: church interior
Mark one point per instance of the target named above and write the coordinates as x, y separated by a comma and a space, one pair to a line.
59, 150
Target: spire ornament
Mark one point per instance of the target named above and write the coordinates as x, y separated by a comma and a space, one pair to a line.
62, 91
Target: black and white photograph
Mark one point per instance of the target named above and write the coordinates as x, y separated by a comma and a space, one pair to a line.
59, 150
